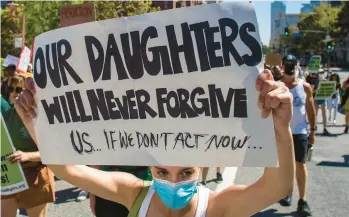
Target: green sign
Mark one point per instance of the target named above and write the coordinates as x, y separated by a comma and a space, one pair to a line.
12, 176
314, 64
326, 89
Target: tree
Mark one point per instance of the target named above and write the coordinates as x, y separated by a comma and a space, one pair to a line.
342, 23
293, 45
322, 18
115, 9
265, 49
9, 31
42, 16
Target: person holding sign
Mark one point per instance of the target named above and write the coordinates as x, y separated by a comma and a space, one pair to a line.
320, 103
332, 104
174, 191
38, 176
303, 109
345, 103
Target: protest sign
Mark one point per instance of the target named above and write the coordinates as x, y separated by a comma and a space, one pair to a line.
173, 87
77, 14
24, 60
326, 89
273, 59
10, 60
12, 177
314, 64
18, 42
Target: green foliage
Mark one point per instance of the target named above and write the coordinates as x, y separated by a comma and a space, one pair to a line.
265, 49
323, 18
9, 31
342, 23
115, 9
42, 16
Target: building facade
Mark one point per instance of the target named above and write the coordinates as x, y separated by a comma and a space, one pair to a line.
306, 8
278, 9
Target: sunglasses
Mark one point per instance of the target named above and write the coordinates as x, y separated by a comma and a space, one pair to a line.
17, 89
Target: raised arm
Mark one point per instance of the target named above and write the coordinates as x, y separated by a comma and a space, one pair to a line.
119, 187
276, 183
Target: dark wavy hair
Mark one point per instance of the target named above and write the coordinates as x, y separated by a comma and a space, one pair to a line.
336, 77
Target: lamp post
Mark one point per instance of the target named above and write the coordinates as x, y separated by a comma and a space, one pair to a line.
12, 7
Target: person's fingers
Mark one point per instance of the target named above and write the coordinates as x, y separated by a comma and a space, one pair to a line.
265, 112
29, 98
277, 96
29, 85
15, 159
13, 155
20, 109
267, 86
262, 77
24, 104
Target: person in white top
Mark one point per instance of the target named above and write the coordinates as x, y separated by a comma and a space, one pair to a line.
303, 112
175, 188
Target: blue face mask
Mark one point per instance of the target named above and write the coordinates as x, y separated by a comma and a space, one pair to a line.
175, 195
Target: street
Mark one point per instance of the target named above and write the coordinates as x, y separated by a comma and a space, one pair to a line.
328, 182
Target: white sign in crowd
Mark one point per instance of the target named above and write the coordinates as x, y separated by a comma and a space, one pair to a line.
174, 87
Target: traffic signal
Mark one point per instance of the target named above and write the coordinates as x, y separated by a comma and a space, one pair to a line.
330, 45
286, 31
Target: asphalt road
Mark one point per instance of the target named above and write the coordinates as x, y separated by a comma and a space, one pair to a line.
328, 185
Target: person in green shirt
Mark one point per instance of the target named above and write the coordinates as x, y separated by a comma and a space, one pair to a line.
101, 207
38, 176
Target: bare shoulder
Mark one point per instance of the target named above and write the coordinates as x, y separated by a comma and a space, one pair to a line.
307, 87
129, 187
306, 84
212, 209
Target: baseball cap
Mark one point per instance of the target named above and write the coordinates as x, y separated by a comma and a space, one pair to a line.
289, 59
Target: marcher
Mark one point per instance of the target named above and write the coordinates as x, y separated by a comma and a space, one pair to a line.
321, 103
303, 109
38, 176
277, 74
332, 104
164, 197
101, 207
345, 103
10, 71
219, 177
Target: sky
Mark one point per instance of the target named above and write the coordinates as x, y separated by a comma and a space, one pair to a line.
262, 9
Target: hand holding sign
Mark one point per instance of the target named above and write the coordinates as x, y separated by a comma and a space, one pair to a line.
274, 97
19, 157
25, 105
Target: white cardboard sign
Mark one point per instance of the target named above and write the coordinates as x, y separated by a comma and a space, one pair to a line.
175, 87
10, 60
24, 60
18, 42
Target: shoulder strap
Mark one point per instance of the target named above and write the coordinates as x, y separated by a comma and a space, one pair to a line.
201, 208
139, 200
